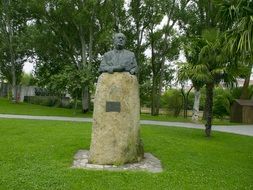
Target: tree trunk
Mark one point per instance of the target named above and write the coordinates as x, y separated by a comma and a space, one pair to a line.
195, 111
85, 99
209, 108
75, 104
154, 108
183, 99
87, 66
157, 103
91, 37
9, 32
158, 71
116, 17
154, 98
169, 26
204, 116
245, 91
85, 89
186, 107
186, 102
14, 86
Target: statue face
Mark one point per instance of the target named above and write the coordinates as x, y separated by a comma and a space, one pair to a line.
119, 41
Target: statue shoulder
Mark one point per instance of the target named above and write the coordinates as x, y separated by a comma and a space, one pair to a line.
108, 54
130, 53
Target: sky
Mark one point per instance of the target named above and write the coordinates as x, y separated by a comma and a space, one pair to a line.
28, 67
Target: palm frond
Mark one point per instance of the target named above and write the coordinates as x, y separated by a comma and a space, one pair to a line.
239, 37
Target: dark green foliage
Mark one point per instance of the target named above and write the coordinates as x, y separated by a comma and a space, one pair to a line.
202, 99
250, 91
237, 20
14, 48
69, 38
41, 100
222, 102
27, 79
172, 100
236, 92
48, 101
221, 106
145, 94
190, 101
70, 80
223, 99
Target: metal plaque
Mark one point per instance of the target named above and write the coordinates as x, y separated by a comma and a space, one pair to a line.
112, 106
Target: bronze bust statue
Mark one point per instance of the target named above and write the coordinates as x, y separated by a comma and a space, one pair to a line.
119, 59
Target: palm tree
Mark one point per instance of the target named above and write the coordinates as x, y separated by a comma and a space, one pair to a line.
185, 73
212, 67
236, 16
183, 76
237, 19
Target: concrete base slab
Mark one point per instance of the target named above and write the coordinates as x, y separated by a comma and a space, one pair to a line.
149, 164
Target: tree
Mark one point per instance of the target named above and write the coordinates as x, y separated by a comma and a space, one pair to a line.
137, 25
71, 34
164, 43
27, 79
197, 17
210, 64
192, 49
137, 12
236, 17
222, 101
172, 100
184, 75
13, 41
213, 67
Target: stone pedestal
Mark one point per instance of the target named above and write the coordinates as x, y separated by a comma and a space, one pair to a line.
115, 130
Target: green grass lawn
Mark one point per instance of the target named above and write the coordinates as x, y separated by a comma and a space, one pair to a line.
38, 155
146, 116
7, 107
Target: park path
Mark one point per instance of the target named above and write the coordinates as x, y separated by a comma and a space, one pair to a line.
237, 129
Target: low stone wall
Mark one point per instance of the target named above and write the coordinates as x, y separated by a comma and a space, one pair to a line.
25, 91
22, 91
4, 89
48, 101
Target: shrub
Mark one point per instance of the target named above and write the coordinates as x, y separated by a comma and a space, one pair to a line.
236, 92
202, 98
172, 100
48, 101
222, 102
190, 100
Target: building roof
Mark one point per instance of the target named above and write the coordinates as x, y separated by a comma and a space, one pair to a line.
244, 102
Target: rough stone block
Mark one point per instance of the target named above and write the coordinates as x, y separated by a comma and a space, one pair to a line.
115, 134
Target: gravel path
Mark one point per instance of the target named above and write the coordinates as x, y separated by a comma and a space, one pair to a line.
237, 129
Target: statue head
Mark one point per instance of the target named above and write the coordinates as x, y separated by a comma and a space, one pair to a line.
119, 41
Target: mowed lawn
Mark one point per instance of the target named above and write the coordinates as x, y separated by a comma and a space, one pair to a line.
8, 107
22, 108
39, 154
